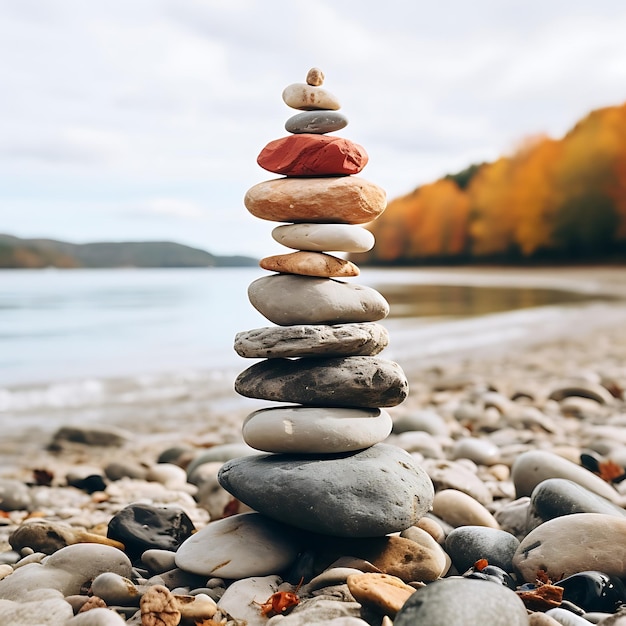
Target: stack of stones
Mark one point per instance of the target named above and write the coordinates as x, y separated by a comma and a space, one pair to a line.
327, 470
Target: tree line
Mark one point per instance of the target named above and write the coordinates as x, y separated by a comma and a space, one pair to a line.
552, 200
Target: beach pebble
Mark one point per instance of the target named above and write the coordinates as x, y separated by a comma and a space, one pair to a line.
159, 607
315, 77
309, 97
321, 611
47, 536
385, 593
143, 527
243, 598
365, 339
406, 559
324, 237
566, 618
419, 534
600, 542
419, 441
460, 602
240, 546
14, 495
219, 454
481, 451
535, 466
195, 607
314, 429
98, 616
447, 474
115, 470
557, 496
343, 381
309, 154
460, 509
115, 589
421, 420
594, 591
306, 263
318, 122
513, 517
158, 561
468, 544
287, 300
167, 474
106, 436
67, 570
343, 199
330, 577
44, 612
582, 389
365, 494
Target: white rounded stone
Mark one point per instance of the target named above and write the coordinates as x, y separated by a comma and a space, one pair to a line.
315, 429
309, 97
244, 545
324, 237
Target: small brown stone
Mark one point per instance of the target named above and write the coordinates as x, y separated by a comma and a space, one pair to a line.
94, 602
315, 77
159, 607
382, 591
310, 264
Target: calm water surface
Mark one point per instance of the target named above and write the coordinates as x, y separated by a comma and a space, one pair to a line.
57, 325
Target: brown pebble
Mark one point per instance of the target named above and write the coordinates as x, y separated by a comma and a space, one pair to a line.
315, 77
384, 592
159, 607
94, 602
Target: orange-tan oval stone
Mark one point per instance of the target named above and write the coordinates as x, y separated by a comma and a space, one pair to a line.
310, 264
382, 591
344, 200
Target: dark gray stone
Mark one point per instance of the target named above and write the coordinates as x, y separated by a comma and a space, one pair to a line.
365, 494
356, 381
142, 527
463, 602
316, 122
468, 544
365, 339
555, 497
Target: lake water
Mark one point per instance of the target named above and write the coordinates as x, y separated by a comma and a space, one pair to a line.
95, 345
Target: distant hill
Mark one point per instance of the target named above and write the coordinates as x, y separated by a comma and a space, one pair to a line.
552, 200
40, 253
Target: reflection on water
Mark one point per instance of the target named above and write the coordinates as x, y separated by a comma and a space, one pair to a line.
439, 301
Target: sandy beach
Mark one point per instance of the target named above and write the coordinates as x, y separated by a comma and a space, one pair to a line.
506, 390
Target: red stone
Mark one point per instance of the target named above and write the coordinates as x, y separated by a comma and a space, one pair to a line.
309, 154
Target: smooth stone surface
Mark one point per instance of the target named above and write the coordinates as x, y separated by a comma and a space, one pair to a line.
42, 535
566, 618
288, 300
309, 154
14, 495
44, 612
242, 599
535, 466
98, 616
460, 509
421, 420
67, 570
115, 589
314, 429
321, 611
307, 263
318, 122
354, 381
315, 77
599, 540
454, 475
468, 544
386, 593
365, 494
90, 435
324, 237
438, 557
364, 339
343, 199
555, 497
219, 454
462, 602
142, 527
309, 97
481, 451
240, 546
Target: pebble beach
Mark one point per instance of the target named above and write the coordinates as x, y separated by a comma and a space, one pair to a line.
524, 445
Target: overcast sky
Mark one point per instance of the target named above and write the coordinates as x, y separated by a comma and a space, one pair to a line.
142, 119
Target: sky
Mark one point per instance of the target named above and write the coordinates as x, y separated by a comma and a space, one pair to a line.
129, 120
